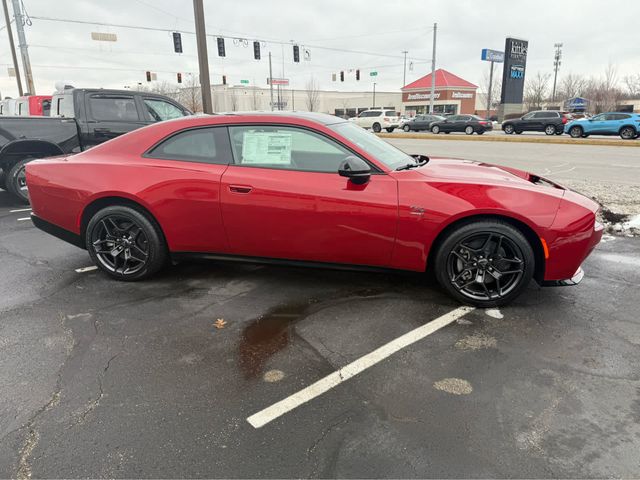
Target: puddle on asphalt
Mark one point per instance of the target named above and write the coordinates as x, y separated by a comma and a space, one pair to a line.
273, 331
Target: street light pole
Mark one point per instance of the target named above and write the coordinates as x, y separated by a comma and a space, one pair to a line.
271, 81
24, 51
433, 69
404, 73
374, 94
556, 66
12, 47
203, 57
489, 92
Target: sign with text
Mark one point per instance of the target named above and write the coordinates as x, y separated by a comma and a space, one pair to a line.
515, 62
278, 81
272, 148
492, 55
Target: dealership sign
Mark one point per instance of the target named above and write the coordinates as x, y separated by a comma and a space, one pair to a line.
422, 96
492, 55
515, 62
462, 95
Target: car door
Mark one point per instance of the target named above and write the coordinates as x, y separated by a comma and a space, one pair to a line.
614, 122
448, 123
420, 123
597, 125
283, 198
109, 116
525, 122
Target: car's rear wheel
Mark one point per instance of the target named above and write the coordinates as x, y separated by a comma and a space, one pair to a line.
576, 132
518, 132
550, 130
16, 181
376, 127
486, 263
435, 129
468, 130
406, 128
627, 133
390, 129
126, 243
508, 129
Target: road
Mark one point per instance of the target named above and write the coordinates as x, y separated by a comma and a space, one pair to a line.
127, 380
611, 174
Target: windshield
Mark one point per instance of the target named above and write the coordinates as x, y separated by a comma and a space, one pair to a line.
381, 150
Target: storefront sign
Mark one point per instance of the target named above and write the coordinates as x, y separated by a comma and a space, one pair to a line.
462, 95
514, 70
492, 55
421, 96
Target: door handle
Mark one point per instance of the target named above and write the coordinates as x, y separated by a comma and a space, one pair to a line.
101, 130
240, 188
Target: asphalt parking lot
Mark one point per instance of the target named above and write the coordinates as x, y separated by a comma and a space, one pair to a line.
108, 379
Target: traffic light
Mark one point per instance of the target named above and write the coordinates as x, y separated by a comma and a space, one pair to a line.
342, 76
296, 53
177, 42
256, 50
179, 75
224, 79
358, 74
221, 52
148, 76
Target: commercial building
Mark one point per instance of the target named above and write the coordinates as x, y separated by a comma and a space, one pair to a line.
452, 94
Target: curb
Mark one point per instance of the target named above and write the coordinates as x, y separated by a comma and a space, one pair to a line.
515, 139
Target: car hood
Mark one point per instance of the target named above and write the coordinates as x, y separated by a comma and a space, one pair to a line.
468, 171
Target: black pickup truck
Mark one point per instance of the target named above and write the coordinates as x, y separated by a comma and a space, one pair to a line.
80, 118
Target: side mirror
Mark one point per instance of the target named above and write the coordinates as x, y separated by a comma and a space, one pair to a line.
355, 169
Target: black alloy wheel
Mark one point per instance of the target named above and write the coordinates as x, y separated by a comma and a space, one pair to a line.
376, 127
125, 243
627, 133
485, 264
16, 180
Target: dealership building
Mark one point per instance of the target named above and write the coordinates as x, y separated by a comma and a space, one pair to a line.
452, 95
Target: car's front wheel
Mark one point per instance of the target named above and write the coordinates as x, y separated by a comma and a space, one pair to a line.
126, 243
576, 132
485, 263
435, 129
508, 129
627, 133
550, 130
406, 128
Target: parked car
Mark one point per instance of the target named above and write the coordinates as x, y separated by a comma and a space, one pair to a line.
377, 119
627, 125
462, 123
311, 189
550, 122
421, 122
80, 119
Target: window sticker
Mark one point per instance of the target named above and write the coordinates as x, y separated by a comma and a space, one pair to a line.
272, 148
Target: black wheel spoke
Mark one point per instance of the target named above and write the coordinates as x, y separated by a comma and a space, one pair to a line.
120, 244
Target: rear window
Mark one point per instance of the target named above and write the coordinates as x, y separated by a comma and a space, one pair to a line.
391, 114
112, 108
202, 145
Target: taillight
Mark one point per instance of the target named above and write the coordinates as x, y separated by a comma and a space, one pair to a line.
484, 123
564, 120
386, 119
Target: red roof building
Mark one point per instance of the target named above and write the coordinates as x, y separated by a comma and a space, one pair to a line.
452, 94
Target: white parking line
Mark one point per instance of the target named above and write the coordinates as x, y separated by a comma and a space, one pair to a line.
334, 379
20, 210
24, 219
86, 269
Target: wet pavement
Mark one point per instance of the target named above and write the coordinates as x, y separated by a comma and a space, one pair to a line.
108, 379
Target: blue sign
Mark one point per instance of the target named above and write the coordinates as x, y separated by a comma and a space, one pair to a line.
577, 102
517, 72
492, 55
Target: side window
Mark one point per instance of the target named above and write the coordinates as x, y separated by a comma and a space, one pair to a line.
202, 145
113, 108
161, 110
391, 114
285, 148
528, 116
618, 116
46, 107
599, 118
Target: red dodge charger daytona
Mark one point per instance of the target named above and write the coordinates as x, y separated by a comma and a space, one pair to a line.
311, 189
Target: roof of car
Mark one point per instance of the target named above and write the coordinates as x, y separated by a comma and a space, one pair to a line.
321, 118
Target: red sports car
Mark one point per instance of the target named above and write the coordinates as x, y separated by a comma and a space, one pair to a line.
312, 189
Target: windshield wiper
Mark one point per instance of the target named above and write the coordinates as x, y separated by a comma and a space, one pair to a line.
419, 163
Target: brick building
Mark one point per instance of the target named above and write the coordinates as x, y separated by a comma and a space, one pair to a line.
452, 94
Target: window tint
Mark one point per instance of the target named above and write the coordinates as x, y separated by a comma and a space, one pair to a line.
600, 117
391, 114
528, 116
371, 114
205, 145
285, 148
618, 116
161, 110
116, 109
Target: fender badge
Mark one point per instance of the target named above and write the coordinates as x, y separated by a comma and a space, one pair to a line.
416, 210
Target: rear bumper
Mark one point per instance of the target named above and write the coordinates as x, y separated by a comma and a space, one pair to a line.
59, 232
575, 280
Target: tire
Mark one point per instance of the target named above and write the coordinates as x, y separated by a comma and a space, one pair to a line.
406, 128
390, 129
16, 181
480, 132
376, 127
628, 133
468, 130
124, 229
3, 179
518, 132
508, 129
435, 129
560, 131
506, 258
576, 132
550, 130
447, 133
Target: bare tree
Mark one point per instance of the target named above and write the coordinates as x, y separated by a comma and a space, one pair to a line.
313, 95
572, 86
163, 88
496, 89
633, 85
536, 90
603, 92
190, 94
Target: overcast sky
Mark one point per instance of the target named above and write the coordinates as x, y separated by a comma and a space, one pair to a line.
593, 34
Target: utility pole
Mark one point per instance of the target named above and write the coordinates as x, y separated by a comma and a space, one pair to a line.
374, 94
404, 74
22, 43
203, 56
489, 92
556, 67
271, 80
12, 47
433, 69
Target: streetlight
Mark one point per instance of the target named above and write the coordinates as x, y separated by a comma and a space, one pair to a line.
374, 94
556, 66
